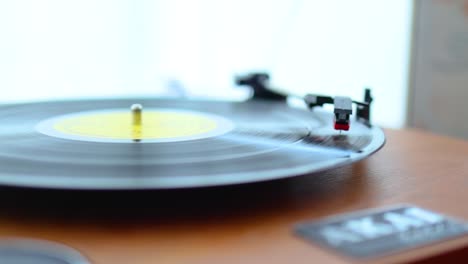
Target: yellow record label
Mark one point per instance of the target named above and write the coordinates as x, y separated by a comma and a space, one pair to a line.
154, 125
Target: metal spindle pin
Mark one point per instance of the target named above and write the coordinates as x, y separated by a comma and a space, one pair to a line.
137, 121
136, 114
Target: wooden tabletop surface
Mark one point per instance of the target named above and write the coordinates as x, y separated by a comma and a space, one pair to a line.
250, 223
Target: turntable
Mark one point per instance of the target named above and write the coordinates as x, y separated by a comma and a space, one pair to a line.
143, 143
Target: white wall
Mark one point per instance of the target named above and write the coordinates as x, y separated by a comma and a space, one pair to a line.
440, 67
53, 48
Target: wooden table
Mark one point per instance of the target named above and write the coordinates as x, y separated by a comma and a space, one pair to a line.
247, 223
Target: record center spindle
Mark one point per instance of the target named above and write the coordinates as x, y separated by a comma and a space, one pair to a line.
137, 121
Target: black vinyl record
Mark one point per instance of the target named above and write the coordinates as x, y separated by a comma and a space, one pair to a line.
92, 144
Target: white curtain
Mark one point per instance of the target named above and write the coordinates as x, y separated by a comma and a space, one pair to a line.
53, 48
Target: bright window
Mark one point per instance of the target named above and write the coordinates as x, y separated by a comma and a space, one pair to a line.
53, 49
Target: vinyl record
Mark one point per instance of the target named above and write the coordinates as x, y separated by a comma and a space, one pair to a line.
29, 251
102, 144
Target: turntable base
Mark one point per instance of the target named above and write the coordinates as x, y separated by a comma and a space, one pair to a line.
248, 223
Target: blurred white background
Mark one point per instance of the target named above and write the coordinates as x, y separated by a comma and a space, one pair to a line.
52, 49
